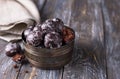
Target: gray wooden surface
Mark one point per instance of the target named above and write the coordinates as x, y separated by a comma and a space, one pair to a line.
97, 44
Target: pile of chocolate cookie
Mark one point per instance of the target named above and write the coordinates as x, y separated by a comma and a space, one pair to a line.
51, 34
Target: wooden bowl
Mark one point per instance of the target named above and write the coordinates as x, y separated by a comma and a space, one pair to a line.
49, 58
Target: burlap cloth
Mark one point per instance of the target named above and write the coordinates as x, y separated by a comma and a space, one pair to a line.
15, 16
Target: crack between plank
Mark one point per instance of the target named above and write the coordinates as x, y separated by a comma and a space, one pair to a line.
62, 74
41, 11
42, 8
104, 24
19, 71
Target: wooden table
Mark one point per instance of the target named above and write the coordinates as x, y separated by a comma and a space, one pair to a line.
97, 45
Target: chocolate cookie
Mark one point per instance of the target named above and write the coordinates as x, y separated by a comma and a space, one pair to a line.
12, 48
34, 38
53, 40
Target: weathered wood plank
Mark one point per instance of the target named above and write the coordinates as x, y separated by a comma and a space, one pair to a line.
57, 8
40, 4
111, 10
52, 9
2, 44
86, 20
7, 70
29, 72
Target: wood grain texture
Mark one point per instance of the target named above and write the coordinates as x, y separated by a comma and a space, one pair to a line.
111, 10
30, 72
96, 51
86, 20
57, 9
49, 11
52, 9
7, 71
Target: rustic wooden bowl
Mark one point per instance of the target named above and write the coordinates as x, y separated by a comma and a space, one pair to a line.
49, 58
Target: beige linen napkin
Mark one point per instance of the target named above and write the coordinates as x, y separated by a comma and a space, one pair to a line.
15, 16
